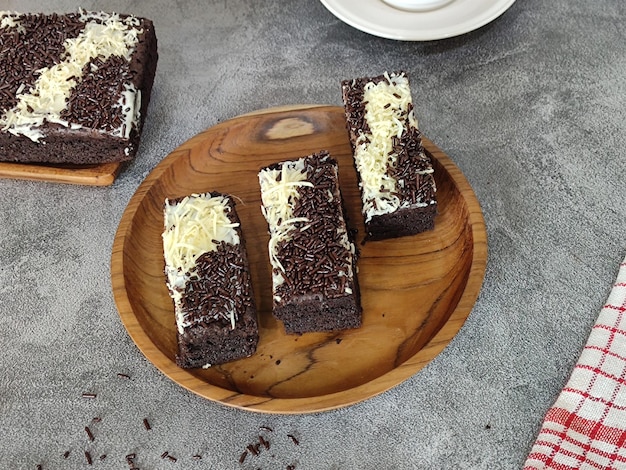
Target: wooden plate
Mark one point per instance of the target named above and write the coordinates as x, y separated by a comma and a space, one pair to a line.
416, 291
88, 175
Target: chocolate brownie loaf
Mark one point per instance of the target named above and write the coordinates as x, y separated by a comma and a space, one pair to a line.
313, 259
395, 174
207, 274
75, 88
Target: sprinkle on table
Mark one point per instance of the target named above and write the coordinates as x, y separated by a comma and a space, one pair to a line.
265, 443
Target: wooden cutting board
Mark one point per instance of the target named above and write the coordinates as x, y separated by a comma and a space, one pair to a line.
90, 175
416, 291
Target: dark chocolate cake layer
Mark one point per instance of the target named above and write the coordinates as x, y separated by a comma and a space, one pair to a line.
208, 278
315, 287
395, 174
77, 86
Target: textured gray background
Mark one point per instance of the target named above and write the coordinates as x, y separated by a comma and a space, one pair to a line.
532, 108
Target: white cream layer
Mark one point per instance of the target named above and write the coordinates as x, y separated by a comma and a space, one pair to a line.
193, 227
48, 97
386, 110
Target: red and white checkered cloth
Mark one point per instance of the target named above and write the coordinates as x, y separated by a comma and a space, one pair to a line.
586, 426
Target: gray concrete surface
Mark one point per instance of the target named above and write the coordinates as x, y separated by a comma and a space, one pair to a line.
531, 107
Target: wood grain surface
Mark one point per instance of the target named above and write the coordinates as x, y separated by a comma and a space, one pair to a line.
416, 291
88, 175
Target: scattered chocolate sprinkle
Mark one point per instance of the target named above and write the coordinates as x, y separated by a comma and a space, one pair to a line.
243, 456
88, 457
96, 419
293, 439
266, 428
103, 456
171, 458
196, 457
39, 467
123, 376
146, 424
164, 454
66, 454
291, 467
89, 433
254, 449
89, 395
265, 443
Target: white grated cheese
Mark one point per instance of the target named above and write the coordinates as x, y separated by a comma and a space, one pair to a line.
47, 98
11, 20
279, 193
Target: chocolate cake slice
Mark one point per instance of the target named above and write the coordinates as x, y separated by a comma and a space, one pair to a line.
396, 180
313, 259
75, 88
207, 275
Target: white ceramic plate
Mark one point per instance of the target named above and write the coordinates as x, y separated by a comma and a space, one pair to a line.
453, 19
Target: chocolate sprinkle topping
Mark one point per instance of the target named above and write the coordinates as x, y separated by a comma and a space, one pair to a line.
93, 105
204, 303
94, 101
319, 247
208, 295
412, 161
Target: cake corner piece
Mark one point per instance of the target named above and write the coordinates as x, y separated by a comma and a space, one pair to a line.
312, 256
208, 279
395, 174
